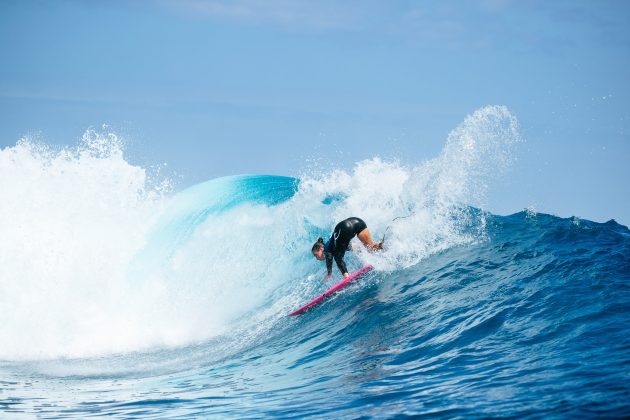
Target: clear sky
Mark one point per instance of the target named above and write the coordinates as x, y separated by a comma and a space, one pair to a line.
216, 87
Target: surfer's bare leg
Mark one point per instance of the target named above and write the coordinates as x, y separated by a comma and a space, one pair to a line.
365, 237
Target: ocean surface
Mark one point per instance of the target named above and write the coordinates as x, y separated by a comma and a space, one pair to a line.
120, 297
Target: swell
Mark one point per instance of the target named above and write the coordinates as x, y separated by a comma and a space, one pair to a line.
519, 315
513, 324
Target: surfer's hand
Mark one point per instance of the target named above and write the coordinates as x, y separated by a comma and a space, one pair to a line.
376, 246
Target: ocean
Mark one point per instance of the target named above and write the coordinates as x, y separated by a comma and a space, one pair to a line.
121, 296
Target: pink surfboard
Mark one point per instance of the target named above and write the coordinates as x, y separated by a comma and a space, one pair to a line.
337, 287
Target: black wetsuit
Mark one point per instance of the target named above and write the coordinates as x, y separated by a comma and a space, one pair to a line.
340, 240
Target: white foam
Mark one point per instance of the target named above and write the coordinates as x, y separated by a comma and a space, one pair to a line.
71, 220
74, 221
430, 201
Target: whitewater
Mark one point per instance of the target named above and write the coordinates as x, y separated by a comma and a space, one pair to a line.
122, 296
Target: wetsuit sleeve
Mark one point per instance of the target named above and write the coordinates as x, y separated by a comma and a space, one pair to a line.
328, 262
340, 263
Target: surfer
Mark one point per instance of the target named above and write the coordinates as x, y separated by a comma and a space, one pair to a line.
339, 243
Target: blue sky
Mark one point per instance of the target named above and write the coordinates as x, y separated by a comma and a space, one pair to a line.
218, 88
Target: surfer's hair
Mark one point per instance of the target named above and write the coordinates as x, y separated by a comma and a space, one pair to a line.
318, 245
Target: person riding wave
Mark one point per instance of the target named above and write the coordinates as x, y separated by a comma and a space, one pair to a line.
339, 243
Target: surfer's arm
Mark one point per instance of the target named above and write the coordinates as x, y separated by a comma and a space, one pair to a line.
328, 263
341, 264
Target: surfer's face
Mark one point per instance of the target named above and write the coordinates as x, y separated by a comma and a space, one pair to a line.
319, 254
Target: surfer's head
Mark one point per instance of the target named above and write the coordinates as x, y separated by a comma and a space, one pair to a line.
318, 249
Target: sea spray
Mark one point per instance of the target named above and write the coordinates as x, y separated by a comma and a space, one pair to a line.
97, 260
71, 220
425, 208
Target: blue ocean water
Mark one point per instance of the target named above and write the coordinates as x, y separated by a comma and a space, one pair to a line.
174, 306
530, 320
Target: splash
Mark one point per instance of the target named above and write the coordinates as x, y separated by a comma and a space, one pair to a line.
71, 220
98, 259
423, 209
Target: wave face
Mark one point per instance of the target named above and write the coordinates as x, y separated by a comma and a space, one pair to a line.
120, 298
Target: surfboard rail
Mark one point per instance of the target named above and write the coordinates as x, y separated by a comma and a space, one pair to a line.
342, 284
